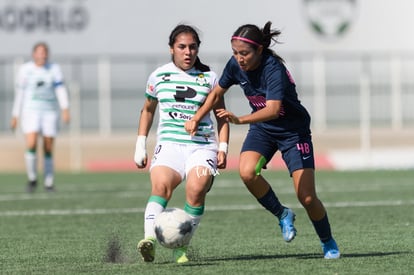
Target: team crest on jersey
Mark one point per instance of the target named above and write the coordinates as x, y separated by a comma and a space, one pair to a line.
150, 88
202, 81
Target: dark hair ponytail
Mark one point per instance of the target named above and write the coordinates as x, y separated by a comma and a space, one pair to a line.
200, 66
256, 37
179, 29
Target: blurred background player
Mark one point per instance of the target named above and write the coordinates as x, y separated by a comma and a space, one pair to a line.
179, 88
40, 93
278, 122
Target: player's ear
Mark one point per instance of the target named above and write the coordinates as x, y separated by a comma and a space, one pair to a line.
171, 51
260, 50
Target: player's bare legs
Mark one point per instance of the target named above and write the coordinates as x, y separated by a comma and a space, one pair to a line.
49, 171
31, 161
254, 182
163, 181
304, 183
250, 172
197, 184
199, 180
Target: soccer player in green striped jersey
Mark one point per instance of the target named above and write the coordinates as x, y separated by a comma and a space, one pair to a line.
41, 101
178, 89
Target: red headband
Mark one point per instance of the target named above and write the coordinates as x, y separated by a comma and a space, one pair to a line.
246, 40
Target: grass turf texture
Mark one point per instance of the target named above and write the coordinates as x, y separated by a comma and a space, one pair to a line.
92, 224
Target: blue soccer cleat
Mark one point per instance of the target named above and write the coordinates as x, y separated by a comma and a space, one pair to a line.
286, 225
330, 249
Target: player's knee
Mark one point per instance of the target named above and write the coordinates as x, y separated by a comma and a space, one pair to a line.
307, 200
248, 176
164, 191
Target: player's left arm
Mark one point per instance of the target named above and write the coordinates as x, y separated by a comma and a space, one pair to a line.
63, 99
274, 78
61, 93
270, 112
18, 98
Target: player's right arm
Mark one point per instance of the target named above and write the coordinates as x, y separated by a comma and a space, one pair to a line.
212, 99
145, 122
18, 98
17, 105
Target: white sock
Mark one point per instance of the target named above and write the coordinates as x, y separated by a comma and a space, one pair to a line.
151, 211
31, 165
49, 171
196, 221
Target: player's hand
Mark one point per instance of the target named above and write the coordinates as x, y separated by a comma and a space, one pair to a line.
229, 116
140, 156
13, 123
191, 127
66, 116
221, 160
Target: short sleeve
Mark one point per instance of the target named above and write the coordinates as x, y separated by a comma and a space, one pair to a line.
275, 82
57, 75
227, 78
150, 90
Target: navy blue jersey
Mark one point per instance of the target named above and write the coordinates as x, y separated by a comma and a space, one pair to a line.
270, 81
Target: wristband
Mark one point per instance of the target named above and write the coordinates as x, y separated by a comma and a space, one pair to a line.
140, 150
141, 142
223, 147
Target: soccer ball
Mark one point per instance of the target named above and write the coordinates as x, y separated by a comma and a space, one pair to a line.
173, 228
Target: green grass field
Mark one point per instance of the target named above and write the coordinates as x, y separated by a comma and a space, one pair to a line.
92, 224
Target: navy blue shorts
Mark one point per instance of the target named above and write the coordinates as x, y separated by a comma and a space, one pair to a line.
297, 150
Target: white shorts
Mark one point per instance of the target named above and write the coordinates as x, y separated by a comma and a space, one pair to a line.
43, 122
183, 157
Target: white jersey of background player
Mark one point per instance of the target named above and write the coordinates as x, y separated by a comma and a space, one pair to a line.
178, 89
40, 95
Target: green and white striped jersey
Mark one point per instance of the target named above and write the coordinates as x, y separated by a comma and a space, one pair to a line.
180, 94
38, 86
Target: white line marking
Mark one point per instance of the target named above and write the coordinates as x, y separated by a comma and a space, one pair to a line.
66, 212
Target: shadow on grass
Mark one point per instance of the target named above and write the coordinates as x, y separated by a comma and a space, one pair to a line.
303, 256
374, 254
210, 261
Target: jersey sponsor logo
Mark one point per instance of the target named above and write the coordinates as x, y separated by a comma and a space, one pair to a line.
178, 115
183, 107
166, 77
183, 92
290, 77
259, 102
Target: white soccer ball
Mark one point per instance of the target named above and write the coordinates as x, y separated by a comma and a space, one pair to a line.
173, 228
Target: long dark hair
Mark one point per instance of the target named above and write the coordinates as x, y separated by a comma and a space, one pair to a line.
255, 36
191, 30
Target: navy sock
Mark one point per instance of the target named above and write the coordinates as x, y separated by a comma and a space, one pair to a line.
271, 203
323, 229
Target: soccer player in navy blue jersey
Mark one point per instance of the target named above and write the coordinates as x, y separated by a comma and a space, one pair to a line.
278, 121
